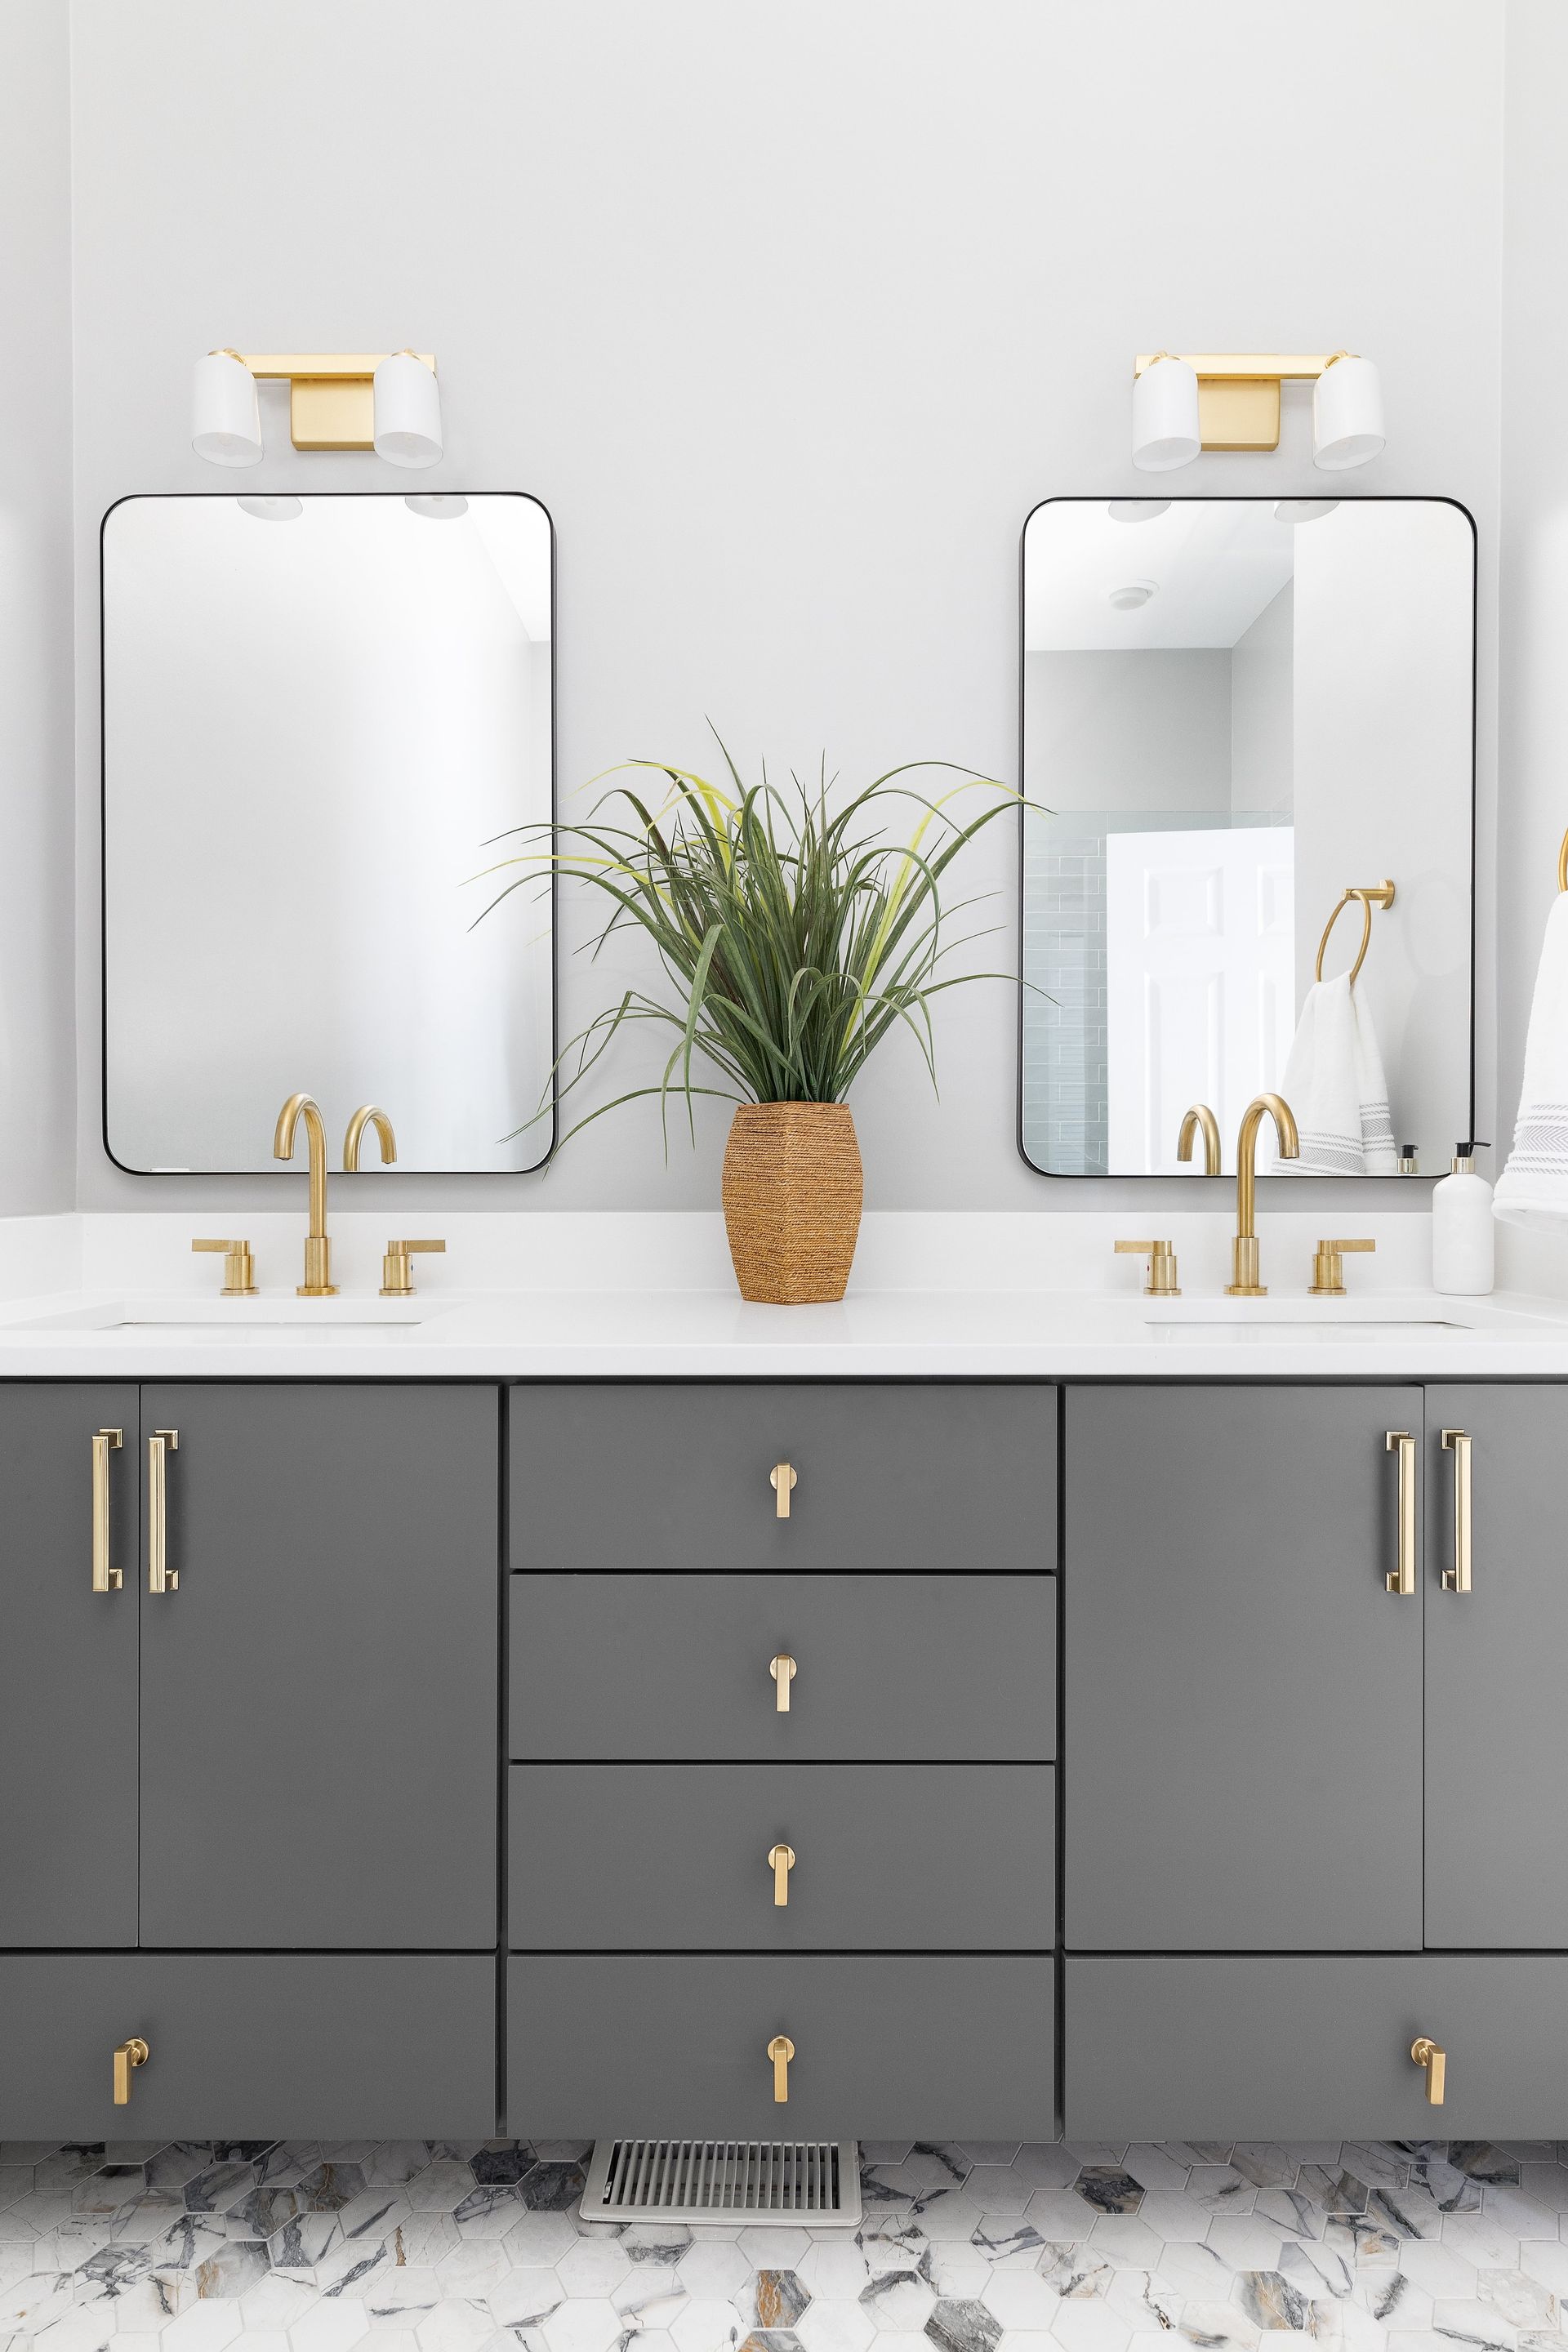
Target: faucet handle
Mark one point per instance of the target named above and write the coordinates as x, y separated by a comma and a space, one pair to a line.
238, 1267
1329, 1267
396, 1273
1162, 1257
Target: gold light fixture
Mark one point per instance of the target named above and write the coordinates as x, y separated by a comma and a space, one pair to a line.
337, 399
1237, 405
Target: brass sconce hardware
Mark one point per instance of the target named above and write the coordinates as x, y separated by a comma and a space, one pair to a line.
127, 2058
368, 1115
1428, 2053
1458, 1577
1402, 1580
781, 1861
1378, 895
1238, 392
238, 1267
782, 1670
1329, 1267
105, 1441
1162, 1257
783, 1481
318, 1282
781, 2050
1200, 1120
160, 1577
331, 402
396, 1273
1244, 1282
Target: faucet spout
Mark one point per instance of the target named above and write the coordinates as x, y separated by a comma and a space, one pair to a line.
318, 1282
1200, 1120
1244, 1283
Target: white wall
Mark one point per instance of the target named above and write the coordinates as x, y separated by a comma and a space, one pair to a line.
1262, 710
37, 1044
789, 317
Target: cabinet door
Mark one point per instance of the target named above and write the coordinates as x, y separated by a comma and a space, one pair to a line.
1242, 1724
320, 1694
1497, 1768
67, 1720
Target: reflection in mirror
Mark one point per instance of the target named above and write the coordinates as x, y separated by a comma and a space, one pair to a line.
1242, 717
318, 712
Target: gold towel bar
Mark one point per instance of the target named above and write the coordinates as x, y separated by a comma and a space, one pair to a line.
1383, 895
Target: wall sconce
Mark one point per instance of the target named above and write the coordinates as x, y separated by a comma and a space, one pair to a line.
1184, 402
388, 402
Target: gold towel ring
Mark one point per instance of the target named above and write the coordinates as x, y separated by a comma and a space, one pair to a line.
1562, 864
1381, 896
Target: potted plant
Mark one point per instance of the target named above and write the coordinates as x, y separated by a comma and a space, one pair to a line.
795, 937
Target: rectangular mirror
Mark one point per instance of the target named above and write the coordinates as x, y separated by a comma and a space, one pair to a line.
319, 712
1236, 713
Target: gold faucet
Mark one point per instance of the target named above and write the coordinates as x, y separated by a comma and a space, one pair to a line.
1244, 1249
1200, 1118
368, 1115
318, 1282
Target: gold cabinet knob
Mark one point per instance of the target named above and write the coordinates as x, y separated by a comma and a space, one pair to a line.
782, 1670
783, 1481
781, 2050
105, 1441
396, 1273
130, 2055
1429, 2054
1162, 1257
238, 1267
781, 1861
1329, 1267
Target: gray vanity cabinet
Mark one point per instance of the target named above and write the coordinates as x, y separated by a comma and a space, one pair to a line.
67, 1716
1497, 1763
1243, 1716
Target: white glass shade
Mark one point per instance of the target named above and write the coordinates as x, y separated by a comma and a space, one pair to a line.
1347, 415
1137, 510
407, 412
273, 509
1165, 416
225, 416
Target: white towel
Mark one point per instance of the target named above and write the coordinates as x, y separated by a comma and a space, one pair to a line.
1535, 1184
1334, 1082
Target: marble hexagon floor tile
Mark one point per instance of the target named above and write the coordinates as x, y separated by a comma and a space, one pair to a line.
439, 2246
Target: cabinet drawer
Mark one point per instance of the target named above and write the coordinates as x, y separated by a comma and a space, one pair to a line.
960, 1475
314, 2046
885, 2049
1314, 2048
887, 1668
891, 1857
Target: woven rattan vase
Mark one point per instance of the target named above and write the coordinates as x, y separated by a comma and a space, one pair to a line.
792, 1201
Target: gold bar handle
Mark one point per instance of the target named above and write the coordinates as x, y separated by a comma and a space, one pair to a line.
1425, 2053
160, 1577
782, 1670
129, 2055
781, 2050
783, 1481
105, 1441
1402, 1580
1458, 1577
781, 1861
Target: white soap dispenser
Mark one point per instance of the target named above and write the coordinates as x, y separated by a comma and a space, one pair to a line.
1463, 1234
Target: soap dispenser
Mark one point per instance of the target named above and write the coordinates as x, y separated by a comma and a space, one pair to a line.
1462, 1230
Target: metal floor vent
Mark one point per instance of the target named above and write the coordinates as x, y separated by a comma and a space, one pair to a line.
820, 2178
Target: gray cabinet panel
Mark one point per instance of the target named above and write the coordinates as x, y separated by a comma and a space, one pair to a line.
67, 1720
1313, 2048
319, 1694
248, 2048
1497, 1765
957, 1475
1242, 1727
888, 1668
885, 2048
888, 1857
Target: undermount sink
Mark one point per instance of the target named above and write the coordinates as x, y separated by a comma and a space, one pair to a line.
301, 1318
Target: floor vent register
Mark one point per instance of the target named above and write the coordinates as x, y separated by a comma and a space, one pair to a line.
817, 2179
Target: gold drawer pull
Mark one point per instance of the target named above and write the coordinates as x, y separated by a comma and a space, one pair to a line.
130, 2054
1458, 1577
160, 1577
105, 1441
783, 1481
1424, 2052
781, 2050
1402, 1580
781, 1861
782, 1670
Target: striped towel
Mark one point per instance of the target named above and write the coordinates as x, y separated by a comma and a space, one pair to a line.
1334, 1082
1534, 1185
